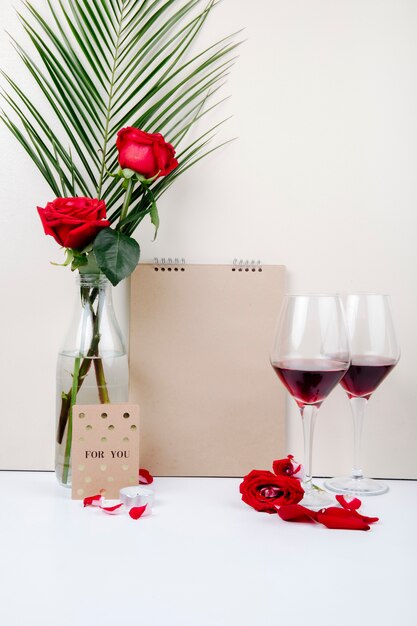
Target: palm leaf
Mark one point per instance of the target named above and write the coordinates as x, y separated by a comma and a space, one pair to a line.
99, 65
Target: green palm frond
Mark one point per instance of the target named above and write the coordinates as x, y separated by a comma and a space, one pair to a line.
101, 65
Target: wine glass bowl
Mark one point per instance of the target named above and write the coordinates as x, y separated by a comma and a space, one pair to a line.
310, 381
365, 374
310, 356
375, 352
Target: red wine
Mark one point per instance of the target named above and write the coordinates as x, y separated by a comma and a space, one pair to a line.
365, 374
309, 381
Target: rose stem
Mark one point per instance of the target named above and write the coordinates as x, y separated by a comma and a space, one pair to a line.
126, 201
103, 393
67, 397
83, 371
68, 445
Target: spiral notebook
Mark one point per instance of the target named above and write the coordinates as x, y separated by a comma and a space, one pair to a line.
199, 361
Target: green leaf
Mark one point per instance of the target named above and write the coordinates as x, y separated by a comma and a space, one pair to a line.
99, 65
153, 211
154, 218
117, 254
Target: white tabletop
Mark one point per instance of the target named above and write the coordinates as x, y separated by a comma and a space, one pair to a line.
202, 559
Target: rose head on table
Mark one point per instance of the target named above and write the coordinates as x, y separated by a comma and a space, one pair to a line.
281, 492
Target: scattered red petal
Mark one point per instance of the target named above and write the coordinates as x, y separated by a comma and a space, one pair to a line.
93, 500
145, 478
137, 511
111, 509
353, 506
350, 505
368, 520
334, 517
296, 513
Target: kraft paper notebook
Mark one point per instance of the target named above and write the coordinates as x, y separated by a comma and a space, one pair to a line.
210, 402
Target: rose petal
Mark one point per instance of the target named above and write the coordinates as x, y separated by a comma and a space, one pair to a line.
137, 511
351, 505
111, 509
342, 519
299, 472
145, 478
93, 500
369, 520
296, 513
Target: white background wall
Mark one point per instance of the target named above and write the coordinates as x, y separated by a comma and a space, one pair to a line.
322, 179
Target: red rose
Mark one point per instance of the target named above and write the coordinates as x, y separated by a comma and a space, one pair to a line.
73, 222
264, 490
145, 153
288, 467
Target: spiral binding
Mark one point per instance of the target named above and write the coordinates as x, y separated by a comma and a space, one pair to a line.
169, 264
162, 264
247, 266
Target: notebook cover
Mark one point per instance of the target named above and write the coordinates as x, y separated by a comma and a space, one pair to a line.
210, 402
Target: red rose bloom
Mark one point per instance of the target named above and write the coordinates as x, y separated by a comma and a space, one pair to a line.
264, 490
288, 467
145, 153
73, 222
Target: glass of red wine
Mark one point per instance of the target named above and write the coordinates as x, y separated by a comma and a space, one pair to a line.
375, 352
310, 356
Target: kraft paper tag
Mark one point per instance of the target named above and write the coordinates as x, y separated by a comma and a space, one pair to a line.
105, 449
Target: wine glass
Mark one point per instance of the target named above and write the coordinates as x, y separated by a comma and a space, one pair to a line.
375, 352
311, 355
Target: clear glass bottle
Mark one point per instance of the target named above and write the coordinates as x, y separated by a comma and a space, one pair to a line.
92, 365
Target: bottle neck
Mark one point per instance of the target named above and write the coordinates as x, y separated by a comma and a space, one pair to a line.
94, 329
91, 281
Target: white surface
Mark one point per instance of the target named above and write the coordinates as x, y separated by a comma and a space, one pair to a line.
202, 559
322, 179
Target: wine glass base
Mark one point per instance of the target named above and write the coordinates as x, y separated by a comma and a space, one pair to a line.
356, 486
316, 499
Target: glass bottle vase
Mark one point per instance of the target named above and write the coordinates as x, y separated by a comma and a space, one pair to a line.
92, 365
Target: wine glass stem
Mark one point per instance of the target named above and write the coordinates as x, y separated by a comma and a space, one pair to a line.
308, 415
358, 406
